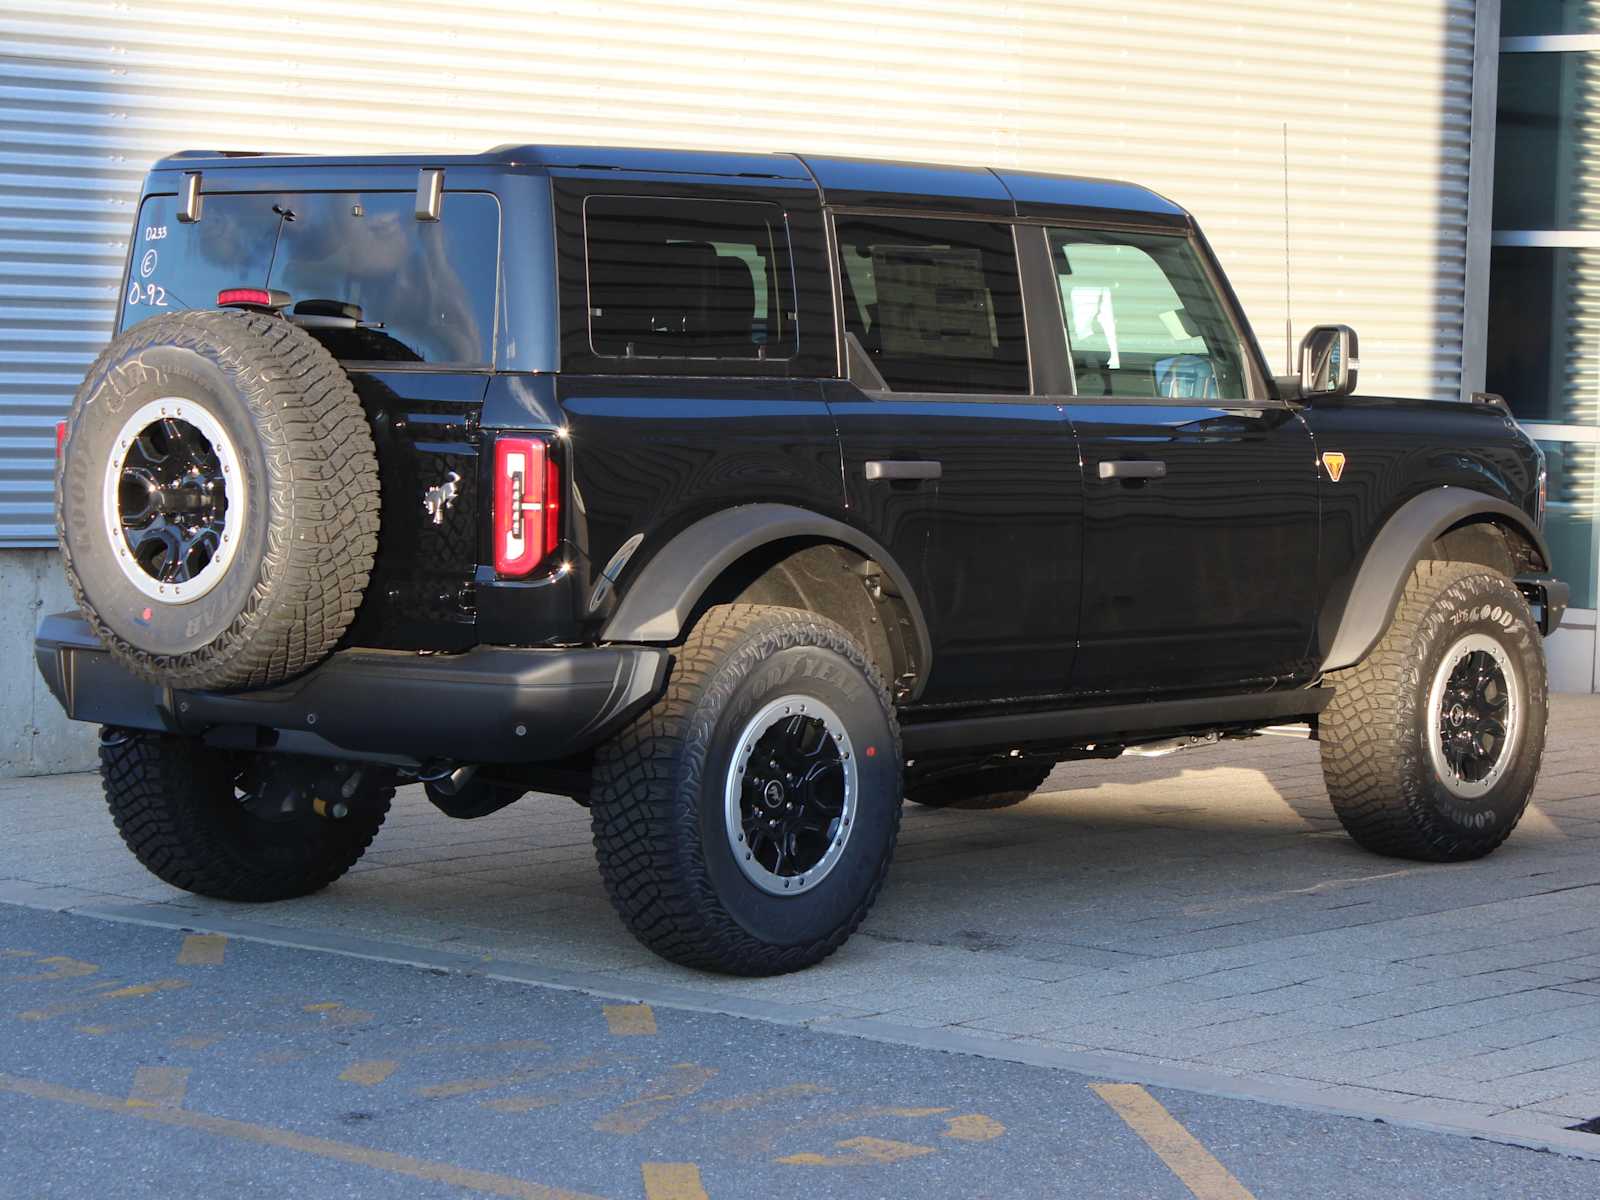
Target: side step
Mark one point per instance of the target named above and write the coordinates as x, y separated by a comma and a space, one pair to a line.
1112, 723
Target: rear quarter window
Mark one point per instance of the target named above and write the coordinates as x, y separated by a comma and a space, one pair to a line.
363, 275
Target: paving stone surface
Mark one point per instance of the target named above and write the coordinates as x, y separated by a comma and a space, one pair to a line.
1202, 909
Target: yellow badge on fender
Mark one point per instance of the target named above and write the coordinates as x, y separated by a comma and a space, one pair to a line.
1333, 460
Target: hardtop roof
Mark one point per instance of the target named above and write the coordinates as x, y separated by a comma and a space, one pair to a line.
842, 181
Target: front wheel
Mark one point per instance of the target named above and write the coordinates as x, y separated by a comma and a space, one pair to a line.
1432, 744
745, 823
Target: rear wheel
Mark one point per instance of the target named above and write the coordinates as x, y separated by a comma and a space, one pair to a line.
1432, 744
1000, 786
745, 823
239, 826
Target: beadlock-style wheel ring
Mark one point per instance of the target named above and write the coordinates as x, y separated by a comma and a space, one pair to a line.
1475, 714
789, 801
173, 501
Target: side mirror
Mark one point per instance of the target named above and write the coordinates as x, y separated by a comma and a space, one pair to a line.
1328, 363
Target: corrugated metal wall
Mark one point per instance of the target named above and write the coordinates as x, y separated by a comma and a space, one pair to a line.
1190, 99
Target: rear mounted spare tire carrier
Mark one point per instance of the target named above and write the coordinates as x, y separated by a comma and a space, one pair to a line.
217, 500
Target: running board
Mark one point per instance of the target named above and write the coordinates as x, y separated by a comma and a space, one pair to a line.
1111, 723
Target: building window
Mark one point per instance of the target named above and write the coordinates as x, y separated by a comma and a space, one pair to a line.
1544, 275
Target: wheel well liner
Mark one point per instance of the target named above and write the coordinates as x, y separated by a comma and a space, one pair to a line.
658, 604
1406, 538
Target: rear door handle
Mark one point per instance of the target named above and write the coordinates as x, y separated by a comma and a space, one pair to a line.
1133, 469
900, 468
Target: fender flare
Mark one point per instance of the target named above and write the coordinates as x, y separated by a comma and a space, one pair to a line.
656, 604
1405, 539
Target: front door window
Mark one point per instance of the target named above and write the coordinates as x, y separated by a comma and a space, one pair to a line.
1142, 318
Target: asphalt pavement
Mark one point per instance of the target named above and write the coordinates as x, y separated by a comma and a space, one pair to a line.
147, 1062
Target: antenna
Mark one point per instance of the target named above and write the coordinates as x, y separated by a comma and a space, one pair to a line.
1288, 292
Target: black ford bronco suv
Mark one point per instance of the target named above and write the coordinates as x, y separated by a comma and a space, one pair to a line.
739, 498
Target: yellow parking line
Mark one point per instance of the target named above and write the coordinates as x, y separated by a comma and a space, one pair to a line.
163, 1087
202, 950
630, 1020
369, 1072
287, 1139
862, 1152
672, 1181
1176, 1146
61, 967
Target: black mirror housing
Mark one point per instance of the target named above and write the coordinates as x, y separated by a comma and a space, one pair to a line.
1328, 361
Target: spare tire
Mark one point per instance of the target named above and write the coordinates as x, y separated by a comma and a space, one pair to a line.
217, 500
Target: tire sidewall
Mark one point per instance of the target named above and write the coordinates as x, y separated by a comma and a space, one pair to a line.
1488, 605
131, 380
746, 681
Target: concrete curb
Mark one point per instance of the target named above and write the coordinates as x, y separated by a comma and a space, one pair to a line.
1429, 1116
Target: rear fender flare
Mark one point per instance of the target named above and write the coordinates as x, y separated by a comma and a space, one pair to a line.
657, 604
1405, 539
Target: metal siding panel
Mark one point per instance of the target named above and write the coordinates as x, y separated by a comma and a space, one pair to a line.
1190, 101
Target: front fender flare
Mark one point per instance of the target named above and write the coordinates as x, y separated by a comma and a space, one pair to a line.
1405, 539
656, 605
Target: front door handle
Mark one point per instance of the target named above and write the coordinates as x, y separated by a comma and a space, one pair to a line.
901, 468
1129, 468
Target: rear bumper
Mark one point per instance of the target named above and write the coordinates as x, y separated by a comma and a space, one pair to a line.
1548, 597
488, 705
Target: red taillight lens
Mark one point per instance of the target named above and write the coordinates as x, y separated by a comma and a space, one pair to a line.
61, 436
256, 296
527, 504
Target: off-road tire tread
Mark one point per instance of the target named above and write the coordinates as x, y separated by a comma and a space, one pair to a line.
1364, 732
654, 875
323, 491
158, 787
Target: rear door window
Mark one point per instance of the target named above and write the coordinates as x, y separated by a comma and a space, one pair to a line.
936, 305
688, 279
362, 274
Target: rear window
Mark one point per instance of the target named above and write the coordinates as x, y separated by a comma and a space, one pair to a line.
363, 275
688, 279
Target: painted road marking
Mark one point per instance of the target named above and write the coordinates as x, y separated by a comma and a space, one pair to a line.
630, 1020
370, 1072
972, 1127
61, 967
336, 1013
287, 1139
158, 1087
684, 1081
202, 950
672, 1181
465, 1087
751, 1100
134, 992
1185, 1157
860, 1152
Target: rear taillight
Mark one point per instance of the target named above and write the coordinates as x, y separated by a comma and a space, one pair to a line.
61, 437
527, 504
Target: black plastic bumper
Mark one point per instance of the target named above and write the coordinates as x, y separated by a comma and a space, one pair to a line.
488, 705
1548, 597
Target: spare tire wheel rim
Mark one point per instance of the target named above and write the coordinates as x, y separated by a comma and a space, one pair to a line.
789, 801
1475, 713
174, 500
